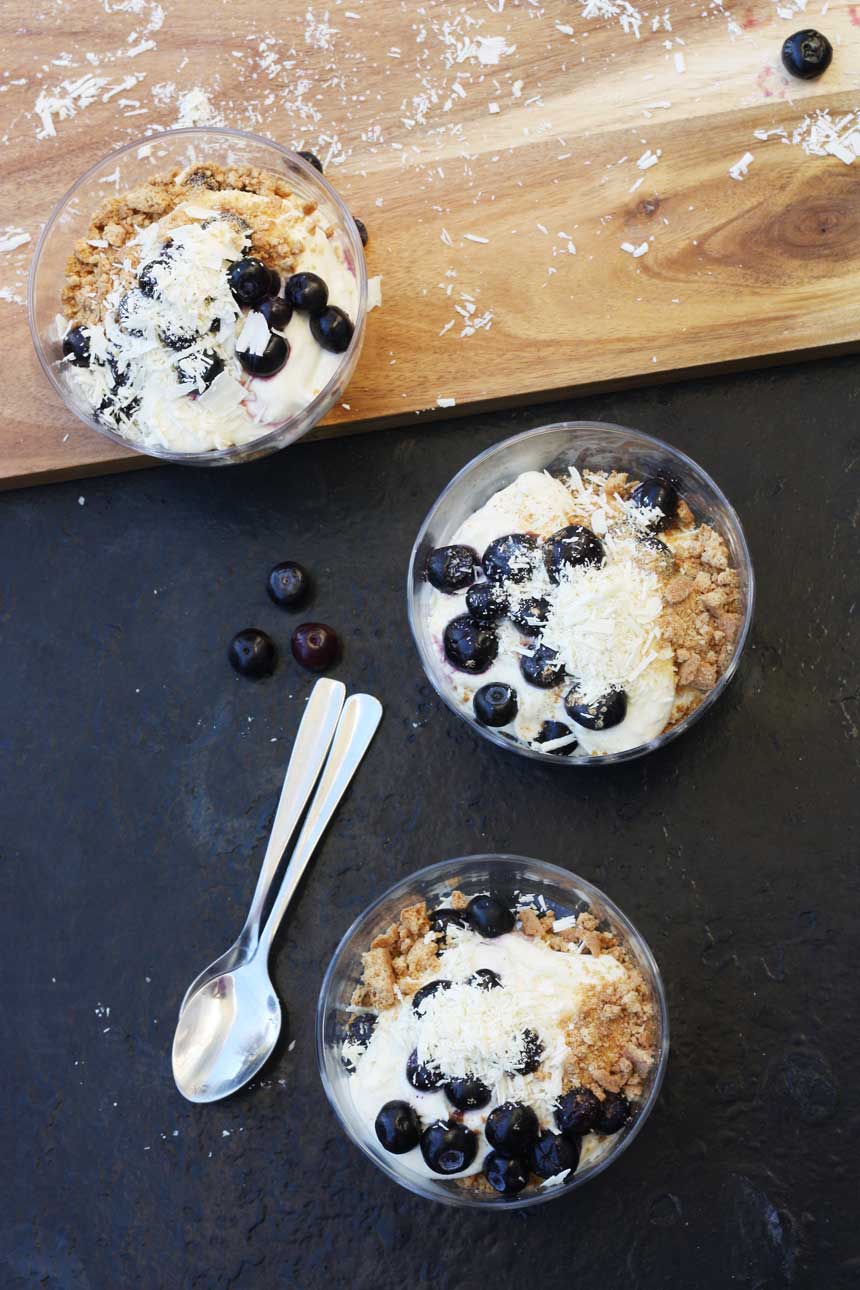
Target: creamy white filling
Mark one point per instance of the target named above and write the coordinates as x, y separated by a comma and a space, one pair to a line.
236, 408
539, 503
541, 989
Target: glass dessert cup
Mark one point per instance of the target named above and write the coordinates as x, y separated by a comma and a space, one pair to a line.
132, 165
591, 445
566, 894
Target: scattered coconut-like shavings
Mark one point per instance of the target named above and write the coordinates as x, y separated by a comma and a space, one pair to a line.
635, 251
823, 135
12, 239
740, 169
445, 402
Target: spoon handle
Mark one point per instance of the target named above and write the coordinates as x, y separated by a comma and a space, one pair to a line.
357, 726
312, 742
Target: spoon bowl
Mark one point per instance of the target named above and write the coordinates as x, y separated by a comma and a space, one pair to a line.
226, 1032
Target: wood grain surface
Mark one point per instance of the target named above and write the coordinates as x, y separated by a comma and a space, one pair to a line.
492, 150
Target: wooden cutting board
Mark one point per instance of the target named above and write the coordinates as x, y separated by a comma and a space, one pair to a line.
498, 153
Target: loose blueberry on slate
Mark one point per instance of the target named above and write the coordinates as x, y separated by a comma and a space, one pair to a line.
287, 584
530, 1054
424, 1078
807, 54
174, 340
426, 991
553, 1153
128, 313
609, 710
467, 1093
577, 1112
613, 1114
76, 345
253, 653
530, 615
485, 979
307, 292
451, 568
657, 494
510, 558
551, 730
571, 547
398, 1127
313, 159
277, 312
147, 279
332, 329
489, 917
542, 668
362, 229
505, 1174
486, 601
361, 1028
203, 366
469, 645
442, 919
315, 646
270, 362
448, 1147
495, 704
249, 281
512, 1128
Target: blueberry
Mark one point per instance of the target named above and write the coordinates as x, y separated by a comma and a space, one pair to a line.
652, 543
609, 710
577, 1112
202, 366
426, 992
130, 313
361, 1028
486, 601
807, 54
274, 282
176, 340
118, 371
277, 312
495, 704
489, 917
552, 1154
451, 568
505, 1174
530, 615
467, 1093
469, 645
542, 667
315, 646
270, 362
313, 159
362, 229
512, 1128
551, 730
398, 1127
249, 281
614, 1113
287, 584
76, 345
657, 494
147, 278
510, 558
307, 292
253, 653
448, 1147
332, 329
530, 1054
442, 919
485, 979
570, 548
424, 1078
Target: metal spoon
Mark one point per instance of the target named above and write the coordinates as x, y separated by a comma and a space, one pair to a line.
230, 1025
312, 742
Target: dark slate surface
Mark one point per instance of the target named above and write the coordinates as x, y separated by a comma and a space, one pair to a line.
138, 779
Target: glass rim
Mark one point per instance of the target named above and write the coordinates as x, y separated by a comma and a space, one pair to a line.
548, 872
319, 405
612, 429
